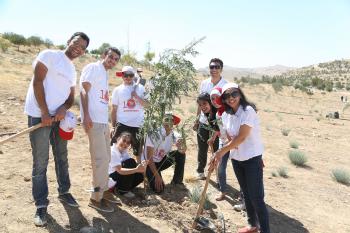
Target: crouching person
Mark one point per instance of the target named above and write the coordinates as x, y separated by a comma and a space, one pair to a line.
124, 172
158, 152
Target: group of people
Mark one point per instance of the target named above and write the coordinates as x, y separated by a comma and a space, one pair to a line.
227, 123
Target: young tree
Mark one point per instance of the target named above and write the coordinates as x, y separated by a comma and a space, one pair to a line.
149, 55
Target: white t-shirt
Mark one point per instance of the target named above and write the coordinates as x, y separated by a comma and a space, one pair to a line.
60, 77
207, 86
98, 96
162, 145
252, 146
117, 157
129, 112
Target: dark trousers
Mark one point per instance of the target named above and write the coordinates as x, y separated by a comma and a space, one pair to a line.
202, 140
126, 183
168, 160
137, 142
249, 174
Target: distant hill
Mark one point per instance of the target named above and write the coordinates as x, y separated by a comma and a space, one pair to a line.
230, 72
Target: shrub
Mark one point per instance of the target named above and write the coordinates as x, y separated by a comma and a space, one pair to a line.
4, 44
297, 158
285, 131
277, 86
195, 196
283, 172
341, 176
294, 144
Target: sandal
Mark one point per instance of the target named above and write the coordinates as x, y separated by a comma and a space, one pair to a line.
220, 197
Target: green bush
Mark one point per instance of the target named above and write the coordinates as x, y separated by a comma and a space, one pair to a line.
4, 44
297, 158
294, 144
195, 196
341, 176
283, 172
277, 86
285, 131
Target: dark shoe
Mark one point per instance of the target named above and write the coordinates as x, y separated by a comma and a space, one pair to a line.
68, 199
101, 205
109, 196
180, 186
40, 218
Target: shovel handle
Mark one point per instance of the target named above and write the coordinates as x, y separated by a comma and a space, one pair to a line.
28, 130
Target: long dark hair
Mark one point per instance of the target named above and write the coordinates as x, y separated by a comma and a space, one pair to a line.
123, 134
204, 96
243, 101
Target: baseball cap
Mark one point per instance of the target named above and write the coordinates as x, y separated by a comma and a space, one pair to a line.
67, 126
127, 69
228, 86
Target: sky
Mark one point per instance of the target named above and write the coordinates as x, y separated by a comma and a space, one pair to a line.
251, 33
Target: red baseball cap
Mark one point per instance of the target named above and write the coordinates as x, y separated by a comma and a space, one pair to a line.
67, 126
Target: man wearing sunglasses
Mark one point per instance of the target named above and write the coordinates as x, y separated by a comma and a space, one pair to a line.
94, 114
201, 125
128, 101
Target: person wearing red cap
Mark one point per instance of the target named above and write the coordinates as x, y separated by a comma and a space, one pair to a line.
94, 115
160, 155
201, 124
50, 94
128, 101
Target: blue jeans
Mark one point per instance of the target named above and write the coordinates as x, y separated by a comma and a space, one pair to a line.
40, 140
222, 172
249, 174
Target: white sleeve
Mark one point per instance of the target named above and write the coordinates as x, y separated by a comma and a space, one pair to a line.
115, 96
46, 57
115, 158
87, 74
249, 116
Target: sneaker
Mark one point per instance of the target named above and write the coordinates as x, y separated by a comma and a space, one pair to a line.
40, 218
239, 207
68, 199
101, 205
108, 196
180, 186
248, 229
201, 176
129, 195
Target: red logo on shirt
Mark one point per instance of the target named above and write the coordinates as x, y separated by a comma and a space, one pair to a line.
131, 103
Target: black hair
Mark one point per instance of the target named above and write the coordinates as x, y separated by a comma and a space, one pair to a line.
113, 49
242, 101
123, 134
82, 35
217, 60
211, 116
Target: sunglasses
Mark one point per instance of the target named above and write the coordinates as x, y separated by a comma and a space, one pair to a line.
217, 67
115, 58
128, 75
233, 94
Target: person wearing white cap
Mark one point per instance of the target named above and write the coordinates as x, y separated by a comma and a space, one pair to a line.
94, 115
201, 124
50, 94
246, 148
128, 101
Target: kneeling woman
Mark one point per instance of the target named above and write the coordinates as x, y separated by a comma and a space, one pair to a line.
123, 170
242, 124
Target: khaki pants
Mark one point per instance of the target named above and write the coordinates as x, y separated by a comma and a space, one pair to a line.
100, 151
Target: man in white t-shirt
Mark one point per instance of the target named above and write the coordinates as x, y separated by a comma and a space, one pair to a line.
161, 156
201, 125
128, 101
50, 94
94, 114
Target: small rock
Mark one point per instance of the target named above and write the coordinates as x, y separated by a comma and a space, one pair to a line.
11, 98
26, 179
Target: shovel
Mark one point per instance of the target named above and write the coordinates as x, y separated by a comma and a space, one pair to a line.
30, 129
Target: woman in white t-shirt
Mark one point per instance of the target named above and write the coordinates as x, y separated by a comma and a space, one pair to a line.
243, 126
125, 174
